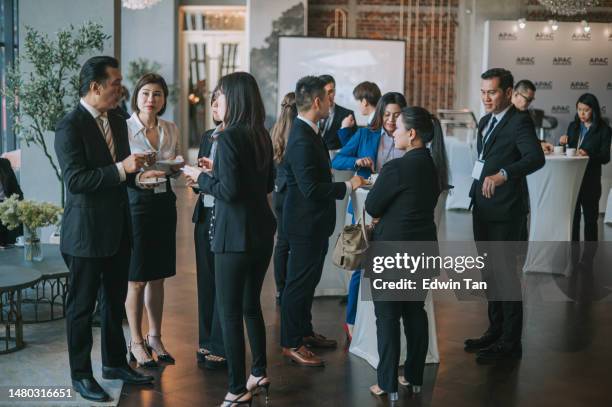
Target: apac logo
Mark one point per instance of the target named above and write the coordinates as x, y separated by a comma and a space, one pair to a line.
543, 36
506, 36
599, 61
581, 36
560, 109
546, 85
562, 61
609, 86
525, 60
579, 85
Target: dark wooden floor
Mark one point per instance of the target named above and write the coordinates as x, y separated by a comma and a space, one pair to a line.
567, 358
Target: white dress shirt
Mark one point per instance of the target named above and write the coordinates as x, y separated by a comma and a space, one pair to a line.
386, 150
315, 128
168, 147
96, 114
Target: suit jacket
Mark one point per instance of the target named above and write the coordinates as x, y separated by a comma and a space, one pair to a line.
513, 146
364, 143
597, 144
404, 202
8, 179
199, 212
97, 207
309, 209
243, 218
332, 141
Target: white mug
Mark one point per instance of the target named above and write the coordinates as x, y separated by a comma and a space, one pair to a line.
570, 152
558, 150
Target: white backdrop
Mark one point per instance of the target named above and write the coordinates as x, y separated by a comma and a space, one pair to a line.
349, 61
563, 64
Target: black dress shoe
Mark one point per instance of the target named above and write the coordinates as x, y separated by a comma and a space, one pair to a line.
127, 374
476, 344
89, 389
499, 351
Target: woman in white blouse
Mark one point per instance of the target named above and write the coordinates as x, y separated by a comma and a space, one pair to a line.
153, 219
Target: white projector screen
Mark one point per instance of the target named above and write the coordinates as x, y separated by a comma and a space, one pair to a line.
349, 61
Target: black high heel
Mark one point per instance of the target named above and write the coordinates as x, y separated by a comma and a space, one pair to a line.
149, 364
259, 386
162, 356
238, 402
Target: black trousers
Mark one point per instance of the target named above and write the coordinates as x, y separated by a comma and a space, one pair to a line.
304, 271
210, 335
281, 249
588, 201
239, 279
87, 275
505, 317
388, 314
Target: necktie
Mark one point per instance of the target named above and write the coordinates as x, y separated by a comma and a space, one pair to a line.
108, 137
322, 124
491, 127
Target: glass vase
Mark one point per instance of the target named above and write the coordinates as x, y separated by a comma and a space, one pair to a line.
32, 246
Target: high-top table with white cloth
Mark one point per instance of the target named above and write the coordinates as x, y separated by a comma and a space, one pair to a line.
334, 280
553, 191
461, 153
364, 343
606, 186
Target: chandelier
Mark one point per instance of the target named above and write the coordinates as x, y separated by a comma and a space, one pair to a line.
138, 4
568, 7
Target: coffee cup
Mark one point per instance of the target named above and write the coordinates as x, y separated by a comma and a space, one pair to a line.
372, 178
150, 158
570, 152
558, 150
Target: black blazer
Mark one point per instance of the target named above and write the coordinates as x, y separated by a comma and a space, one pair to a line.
243, 218
332, 141
404, 201
199, 212
597, 144
8, 179
309, 209
513, 146
97, 207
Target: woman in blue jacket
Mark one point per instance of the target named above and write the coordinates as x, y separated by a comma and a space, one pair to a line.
366, 152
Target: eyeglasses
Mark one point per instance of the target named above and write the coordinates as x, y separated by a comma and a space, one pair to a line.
527, 99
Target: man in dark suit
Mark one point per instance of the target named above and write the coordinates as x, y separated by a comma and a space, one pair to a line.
309, 218
330, 124
93, 151
508, 151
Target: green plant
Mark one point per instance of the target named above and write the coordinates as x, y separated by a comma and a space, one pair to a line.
39, 97
31, 214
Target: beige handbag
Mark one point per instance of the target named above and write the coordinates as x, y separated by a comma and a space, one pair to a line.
351, 245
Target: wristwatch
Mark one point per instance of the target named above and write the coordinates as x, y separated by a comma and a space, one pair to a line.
504, 174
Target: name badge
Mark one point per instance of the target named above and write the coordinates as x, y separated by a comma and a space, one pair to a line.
160, 189
477, 170
208, 200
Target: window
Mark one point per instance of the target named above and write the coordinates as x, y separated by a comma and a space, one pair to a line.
9, 40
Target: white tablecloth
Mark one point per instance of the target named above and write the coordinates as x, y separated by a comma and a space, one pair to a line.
608, 217
364, 343
334, 280
553, 191
606, 185
461, 157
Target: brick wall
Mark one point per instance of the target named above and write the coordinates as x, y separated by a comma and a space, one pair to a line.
428, 26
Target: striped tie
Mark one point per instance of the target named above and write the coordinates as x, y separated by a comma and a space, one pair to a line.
108, 137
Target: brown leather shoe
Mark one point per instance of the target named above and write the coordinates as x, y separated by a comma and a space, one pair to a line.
319, 341
303, 357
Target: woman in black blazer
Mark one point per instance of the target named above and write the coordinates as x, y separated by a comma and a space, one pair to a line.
280, 135
8, 186
590, 135
243, 227
403, 199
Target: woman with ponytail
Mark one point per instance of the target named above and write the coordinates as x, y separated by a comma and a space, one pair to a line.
403, 200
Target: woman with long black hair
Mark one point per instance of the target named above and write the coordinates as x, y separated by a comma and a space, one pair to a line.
403, 200
590, 136
242, 230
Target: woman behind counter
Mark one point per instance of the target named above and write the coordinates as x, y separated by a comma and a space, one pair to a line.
403, 199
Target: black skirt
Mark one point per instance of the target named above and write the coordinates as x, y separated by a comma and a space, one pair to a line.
154, 231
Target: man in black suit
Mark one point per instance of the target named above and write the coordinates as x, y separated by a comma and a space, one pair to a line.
93, 151
309, 218
508, 151
330, 124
